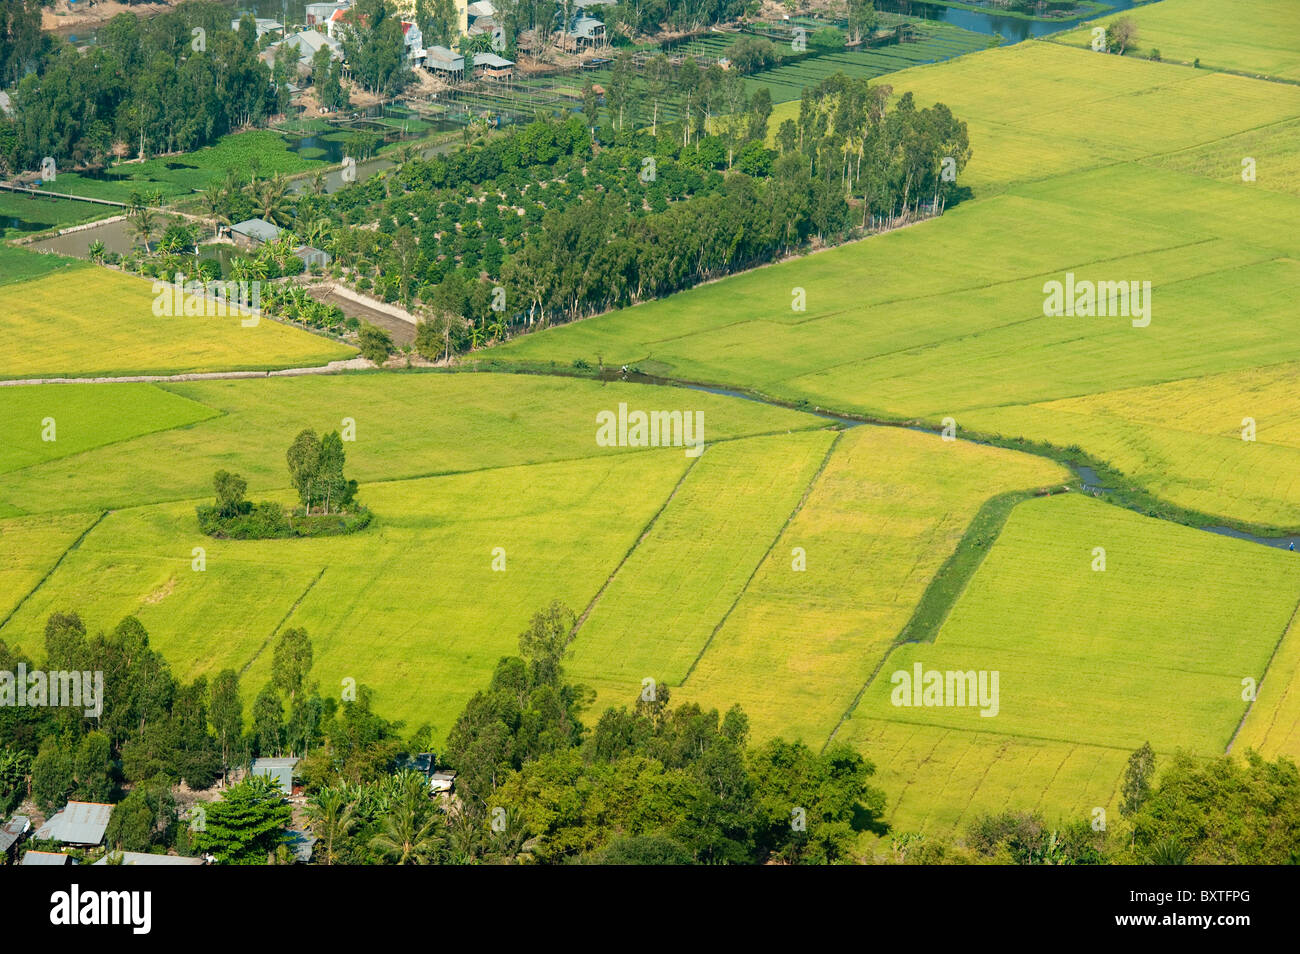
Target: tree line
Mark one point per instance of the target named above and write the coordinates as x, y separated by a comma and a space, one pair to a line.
540, 781
149, 85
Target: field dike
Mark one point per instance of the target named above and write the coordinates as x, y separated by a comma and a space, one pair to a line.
948, 584
807, 492
50, 572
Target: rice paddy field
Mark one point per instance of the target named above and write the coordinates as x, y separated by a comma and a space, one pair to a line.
89, 322
914, 325
783, 567
1258, 38
454, 465
939, 42
1091, 665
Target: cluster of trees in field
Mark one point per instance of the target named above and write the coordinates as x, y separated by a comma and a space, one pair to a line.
886, 159
316, 470
149, 85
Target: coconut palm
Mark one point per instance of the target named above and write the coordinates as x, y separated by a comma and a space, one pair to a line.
270, 199
143, 224
410, 832
332, 820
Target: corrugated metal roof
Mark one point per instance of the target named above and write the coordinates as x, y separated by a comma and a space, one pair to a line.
79, 823
44, 858
279, 769
14, 829
259, 229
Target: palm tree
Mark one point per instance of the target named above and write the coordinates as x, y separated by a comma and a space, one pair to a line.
215, 200
1168, 852
332, 819
409, 835
465, 839
143, 224
270, 199
507, 842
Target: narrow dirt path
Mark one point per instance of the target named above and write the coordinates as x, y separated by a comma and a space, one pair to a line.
334, 367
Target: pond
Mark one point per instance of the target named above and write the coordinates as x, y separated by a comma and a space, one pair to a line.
1012, 29
117, 238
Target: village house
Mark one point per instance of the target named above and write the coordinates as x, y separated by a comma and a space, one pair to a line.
251, 233
78, 824
11, 835
279, 770
263, 26
304, 44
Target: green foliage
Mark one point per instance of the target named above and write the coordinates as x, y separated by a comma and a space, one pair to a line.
1138, 776
374, 343
53, 777
143, 81
230, 489
1226, 811
247, 824
374, 47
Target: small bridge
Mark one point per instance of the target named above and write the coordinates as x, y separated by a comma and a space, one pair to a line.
10, 187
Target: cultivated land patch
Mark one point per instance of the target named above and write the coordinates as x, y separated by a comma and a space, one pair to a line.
665, 601
20, 265
1154, 648
91, 322
886, 511
940, 780
47, 423
30, 548
408, 425
21, 213
915, 325
411, 606
178, 175
1272, 726
1252, 36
